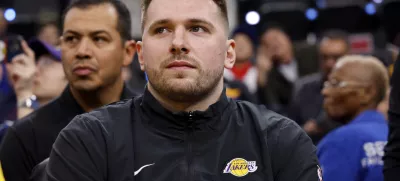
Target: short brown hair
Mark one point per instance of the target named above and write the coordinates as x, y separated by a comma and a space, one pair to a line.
124, 17
220, 3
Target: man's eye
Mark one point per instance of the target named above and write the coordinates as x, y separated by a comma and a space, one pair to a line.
161, 30
71, 39
99, 39
197, 29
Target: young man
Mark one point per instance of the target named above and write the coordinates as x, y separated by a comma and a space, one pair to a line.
352, 93
184, 127
95, 46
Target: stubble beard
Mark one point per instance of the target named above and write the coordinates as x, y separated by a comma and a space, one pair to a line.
184, 90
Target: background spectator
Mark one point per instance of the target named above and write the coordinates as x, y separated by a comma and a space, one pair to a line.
306, 107
244, 71
276, 83
352, 93
49, 33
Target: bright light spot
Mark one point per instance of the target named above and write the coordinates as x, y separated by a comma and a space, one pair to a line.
370, 9
252, 18
378, 1
10, 14
311, 14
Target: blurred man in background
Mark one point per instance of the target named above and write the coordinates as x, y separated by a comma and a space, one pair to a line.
352, 93
241, 80
278, 69
96, 44
49, 33
307, 106
244, 70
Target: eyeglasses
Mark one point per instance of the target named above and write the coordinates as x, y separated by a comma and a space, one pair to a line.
333, 83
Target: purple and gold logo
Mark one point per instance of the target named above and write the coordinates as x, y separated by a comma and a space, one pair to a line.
240, 167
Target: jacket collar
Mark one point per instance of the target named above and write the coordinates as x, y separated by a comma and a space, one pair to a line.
155, 115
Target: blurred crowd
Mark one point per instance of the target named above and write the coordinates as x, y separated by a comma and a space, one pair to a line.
323, 86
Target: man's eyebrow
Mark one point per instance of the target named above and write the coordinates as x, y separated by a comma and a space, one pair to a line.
159, 22
99, 32
91, 33
200, 21
71, 32
192, 21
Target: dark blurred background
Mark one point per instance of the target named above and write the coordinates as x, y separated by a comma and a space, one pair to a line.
298, 17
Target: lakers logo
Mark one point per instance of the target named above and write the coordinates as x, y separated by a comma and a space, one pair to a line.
240, 167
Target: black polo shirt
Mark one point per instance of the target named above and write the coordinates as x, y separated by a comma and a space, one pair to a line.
29, 141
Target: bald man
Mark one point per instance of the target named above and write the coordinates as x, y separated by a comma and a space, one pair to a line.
352, 93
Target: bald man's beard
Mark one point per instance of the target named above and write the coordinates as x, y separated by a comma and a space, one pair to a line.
182, 90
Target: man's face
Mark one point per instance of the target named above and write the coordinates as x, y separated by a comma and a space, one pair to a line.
92, 50
185, 48
49, 80
343, 93
278, 46
244, 47
49, 34
330, 51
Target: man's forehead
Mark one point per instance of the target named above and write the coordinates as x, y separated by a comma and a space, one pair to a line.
90, 19
181, 10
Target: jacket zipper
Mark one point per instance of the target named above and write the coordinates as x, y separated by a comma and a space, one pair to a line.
189, 154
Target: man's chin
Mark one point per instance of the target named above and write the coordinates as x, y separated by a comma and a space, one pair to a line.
84, 85
337, 117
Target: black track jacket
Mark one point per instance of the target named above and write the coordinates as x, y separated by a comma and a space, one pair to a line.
140, 140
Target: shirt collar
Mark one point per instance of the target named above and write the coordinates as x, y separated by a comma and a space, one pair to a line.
68, 100
369, 116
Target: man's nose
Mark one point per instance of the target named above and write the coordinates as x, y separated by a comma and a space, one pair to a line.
83, 51
179, 42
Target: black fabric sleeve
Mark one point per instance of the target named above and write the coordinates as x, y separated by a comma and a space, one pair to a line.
294, 153
14, 158
79, 152
392, 149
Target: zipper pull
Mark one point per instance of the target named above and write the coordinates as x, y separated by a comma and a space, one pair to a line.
190, 120
190, 115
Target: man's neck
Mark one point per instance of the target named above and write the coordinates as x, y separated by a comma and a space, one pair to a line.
43, 101
90, 100
200, 105
241, 64
360, 111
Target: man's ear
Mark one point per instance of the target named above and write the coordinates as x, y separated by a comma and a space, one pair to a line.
139, 49
230, 54
130, 50
367, 95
